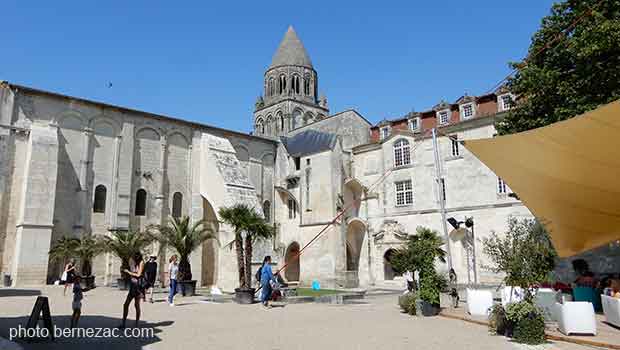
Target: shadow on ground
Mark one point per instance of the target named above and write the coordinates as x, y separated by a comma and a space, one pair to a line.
14, 292
146, 333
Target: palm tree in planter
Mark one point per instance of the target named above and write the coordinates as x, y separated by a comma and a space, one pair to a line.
249, 226
184, 238
63, 249
124, 244
86, 249
419, 254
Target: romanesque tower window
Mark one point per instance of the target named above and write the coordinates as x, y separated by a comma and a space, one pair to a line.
271, 87
140, 203
280, 120
282, 85
268, 126
296, 84
307, 85
177, 205
402, 153
100, 199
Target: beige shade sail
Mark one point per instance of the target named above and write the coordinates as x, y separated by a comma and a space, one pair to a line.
567, 174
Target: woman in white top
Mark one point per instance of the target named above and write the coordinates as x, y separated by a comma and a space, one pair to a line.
173, 270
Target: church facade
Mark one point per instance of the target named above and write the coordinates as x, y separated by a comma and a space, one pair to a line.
74, 167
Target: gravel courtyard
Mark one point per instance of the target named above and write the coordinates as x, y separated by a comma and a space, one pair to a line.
375, 323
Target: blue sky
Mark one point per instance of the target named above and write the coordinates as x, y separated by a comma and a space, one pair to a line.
204, 61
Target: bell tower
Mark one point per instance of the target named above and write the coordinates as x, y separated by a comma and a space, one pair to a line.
290, 91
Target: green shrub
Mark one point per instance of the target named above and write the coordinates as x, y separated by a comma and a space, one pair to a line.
529, 322
498, 323
407, 303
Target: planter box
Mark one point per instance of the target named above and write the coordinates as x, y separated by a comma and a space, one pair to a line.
426, 309
187, 287
244, 296
88, 282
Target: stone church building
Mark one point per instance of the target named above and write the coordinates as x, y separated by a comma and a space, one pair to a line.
70, 166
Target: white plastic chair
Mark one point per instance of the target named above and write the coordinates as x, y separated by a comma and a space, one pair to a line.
611, 309
479, 302
511, 295
576, 317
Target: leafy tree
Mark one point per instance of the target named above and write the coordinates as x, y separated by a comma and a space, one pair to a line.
575, 73
420, 253
525, 254
184, 237
245, 220
125, 244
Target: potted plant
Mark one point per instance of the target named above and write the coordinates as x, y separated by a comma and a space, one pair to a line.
62, 250
124, 244
248, 226
183, 237
526, 256
419, 254
86, 249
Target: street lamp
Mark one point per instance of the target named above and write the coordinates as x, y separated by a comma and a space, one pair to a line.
463, 234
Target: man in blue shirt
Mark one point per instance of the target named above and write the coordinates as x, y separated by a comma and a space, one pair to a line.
266, 276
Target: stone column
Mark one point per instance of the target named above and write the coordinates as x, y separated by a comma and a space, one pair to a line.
86, 205
124, 178
36, 213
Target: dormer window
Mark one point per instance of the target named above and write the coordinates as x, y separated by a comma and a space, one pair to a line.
467, 111
384, 132
505, 102
414, 124
443, 117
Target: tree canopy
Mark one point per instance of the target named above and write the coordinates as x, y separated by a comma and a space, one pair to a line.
564, 76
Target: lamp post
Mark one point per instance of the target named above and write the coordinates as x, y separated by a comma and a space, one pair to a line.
469, 223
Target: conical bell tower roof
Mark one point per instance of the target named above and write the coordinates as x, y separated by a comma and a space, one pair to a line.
291, 52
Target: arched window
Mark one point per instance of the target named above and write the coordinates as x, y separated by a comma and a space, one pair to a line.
296, 84
177, 205
402, 155
282, 85
267, 211
307, 85
271, 87
280, 120
268, 125
260, 128
100, 196
140, 203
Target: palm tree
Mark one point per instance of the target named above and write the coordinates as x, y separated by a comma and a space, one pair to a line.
63, 249
86, 249
125, 244
245, 220
184, 237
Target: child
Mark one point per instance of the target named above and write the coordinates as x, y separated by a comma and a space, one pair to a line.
77, 301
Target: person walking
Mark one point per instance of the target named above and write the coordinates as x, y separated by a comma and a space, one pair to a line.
173, 271
69, 275
265, 281
76, 305
136, 288
150, 269
453, 288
